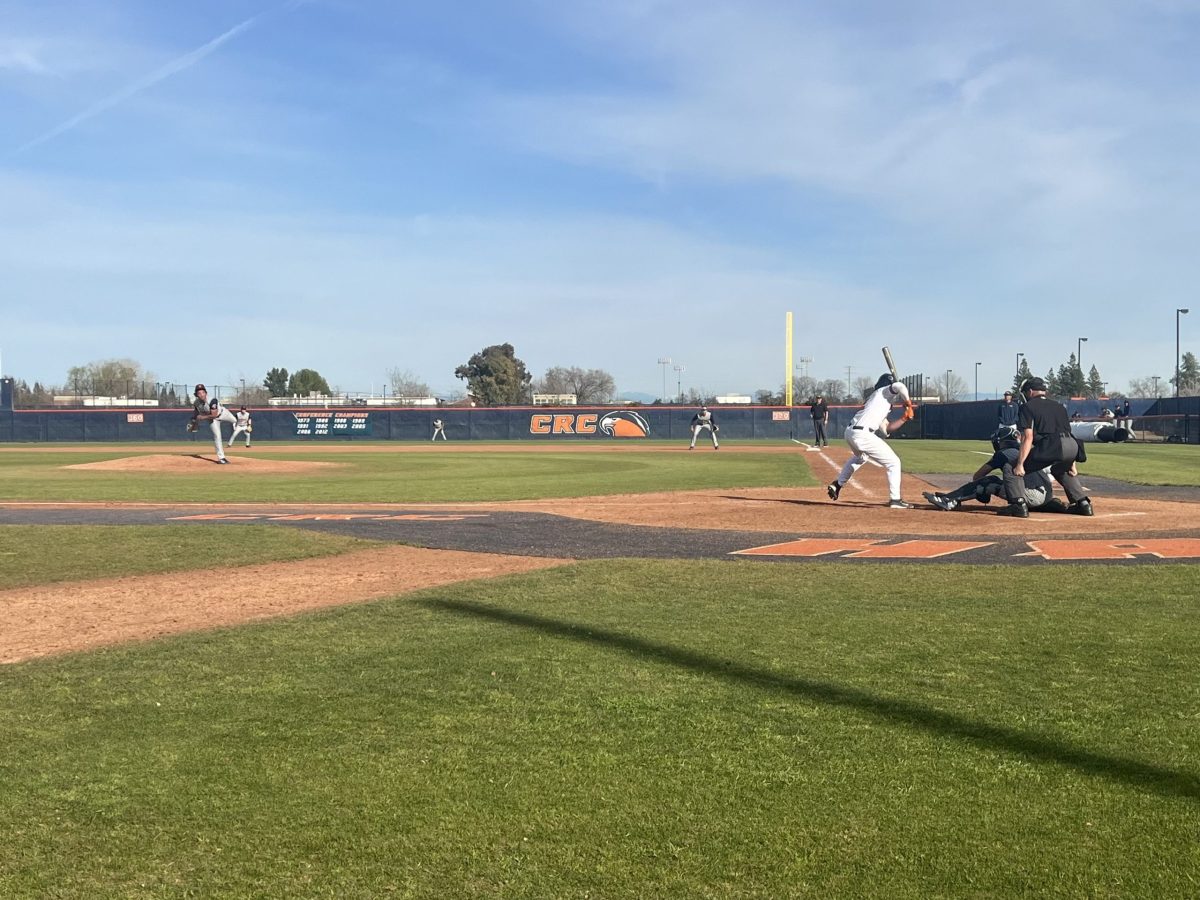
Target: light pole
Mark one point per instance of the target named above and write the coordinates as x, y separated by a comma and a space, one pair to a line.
1155, 377
1018, 376
243, 392
1079, 354
664, 361
948, 371
977, 365
1178, 312
679, 381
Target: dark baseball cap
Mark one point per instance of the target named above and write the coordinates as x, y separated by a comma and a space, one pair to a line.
201, 387
1034, 384
1008, 393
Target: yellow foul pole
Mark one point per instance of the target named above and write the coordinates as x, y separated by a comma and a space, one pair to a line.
787, 378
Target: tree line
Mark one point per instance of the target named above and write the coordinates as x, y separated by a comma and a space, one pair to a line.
496, 376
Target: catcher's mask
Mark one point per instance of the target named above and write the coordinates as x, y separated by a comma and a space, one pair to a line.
1005, 434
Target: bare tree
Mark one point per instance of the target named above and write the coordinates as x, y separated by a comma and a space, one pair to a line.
863, 386
833, 390
588, 385
406, 384
949, 386
1149, 386
112, 378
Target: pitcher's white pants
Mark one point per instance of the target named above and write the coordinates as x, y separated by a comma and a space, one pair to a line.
869, 445
226, 416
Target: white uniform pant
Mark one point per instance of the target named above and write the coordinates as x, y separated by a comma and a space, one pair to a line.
225, 416
696, 429
869, 445
438, 431
239, 429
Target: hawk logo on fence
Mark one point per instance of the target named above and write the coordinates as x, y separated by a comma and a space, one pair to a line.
624, 424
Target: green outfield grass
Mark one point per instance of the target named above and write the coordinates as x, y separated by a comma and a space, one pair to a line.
380, 474
1165, 464
42, 554
632, 729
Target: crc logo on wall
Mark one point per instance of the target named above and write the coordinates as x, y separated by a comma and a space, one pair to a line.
619, 423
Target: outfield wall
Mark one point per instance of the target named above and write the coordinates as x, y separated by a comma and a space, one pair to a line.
414, 424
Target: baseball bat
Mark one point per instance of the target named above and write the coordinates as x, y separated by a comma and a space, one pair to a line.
891, 364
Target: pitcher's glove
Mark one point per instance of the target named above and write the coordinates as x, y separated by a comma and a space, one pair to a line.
191, 425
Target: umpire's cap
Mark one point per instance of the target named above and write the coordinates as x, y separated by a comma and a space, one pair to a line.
200, 388
1033, 384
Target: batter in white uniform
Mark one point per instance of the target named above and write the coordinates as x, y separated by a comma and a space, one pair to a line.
866, 433
216, 415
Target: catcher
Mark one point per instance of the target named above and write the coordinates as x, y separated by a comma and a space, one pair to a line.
242, 424
1038, 492
701, 421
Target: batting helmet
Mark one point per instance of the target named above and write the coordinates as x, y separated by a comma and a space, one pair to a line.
884, 380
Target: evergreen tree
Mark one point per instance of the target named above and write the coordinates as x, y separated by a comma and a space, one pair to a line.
1053, 386
1095, 387
495, 376
1023, 372
307, 381
276, 382
1189, 376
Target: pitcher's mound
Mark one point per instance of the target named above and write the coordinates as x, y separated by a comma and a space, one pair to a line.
166, 462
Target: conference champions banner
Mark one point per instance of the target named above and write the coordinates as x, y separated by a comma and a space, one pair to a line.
328, 423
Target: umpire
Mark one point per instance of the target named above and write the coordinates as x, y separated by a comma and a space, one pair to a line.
1046, 440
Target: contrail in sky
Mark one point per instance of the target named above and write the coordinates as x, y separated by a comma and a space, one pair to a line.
173, 67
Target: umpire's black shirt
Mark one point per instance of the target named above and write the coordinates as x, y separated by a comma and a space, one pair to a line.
1048, 419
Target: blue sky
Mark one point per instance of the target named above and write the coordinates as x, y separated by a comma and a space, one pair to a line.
215, 189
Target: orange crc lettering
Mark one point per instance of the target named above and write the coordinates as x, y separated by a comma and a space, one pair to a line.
563, 423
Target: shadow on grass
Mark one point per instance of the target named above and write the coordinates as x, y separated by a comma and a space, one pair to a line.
1156, 779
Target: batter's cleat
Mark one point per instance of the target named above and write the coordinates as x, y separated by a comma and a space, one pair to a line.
941, 501
222, 461
900, 504
1081, 507
1053, 505
833, 490
1017, 510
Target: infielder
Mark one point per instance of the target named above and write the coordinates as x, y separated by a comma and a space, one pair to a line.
439, 427
702, 421
243, 424
214, 412
983, 486
866, 432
